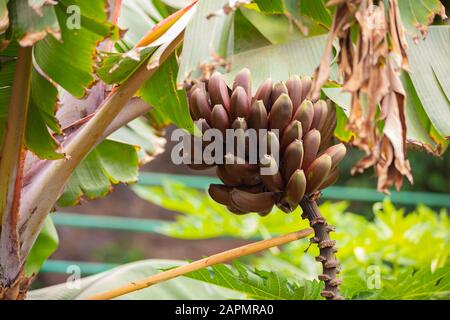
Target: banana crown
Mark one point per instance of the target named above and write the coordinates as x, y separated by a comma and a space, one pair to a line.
295, 152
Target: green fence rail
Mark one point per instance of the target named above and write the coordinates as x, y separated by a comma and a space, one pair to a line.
76, 220
84, 221
85, 268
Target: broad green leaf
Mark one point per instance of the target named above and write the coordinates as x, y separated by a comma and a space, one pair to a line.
41, 117
109, 163
246, 36
429, 63
30, 26
316, 10
115, 68
341, 132
41, 122
206, 40
416, 15
299, 57
299, 18
417, 122
271, 6
137, 17
176, 289
276, 28
45, 245
339, 97
161, 92
258, 284
77, 50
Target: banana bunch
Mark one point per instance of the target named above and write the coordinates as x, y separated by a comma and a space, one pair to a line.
306, 162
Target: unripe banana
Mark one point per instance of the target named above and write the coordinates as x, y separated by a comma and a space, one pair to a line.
241, 139
243, 79
257, 118
257, 188
264, 93
197, 85
218, 91
220, 119
239, 168
227, 178
295, 190
320, 115
330, 180
305, 114
252, 181
239, 104
306, 86
220, 193
281, 113
200, 105
294, 86
305, 130
292, 159
337, 153
311, 144
317, 173
278, 89
200, 166
235, 210
193, 108
252, 202
292, 132
239, 123
272, 182
273, 144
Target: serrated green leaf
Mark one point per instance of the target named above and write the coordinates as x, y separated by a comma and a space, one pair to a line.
258, 284
420, 284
